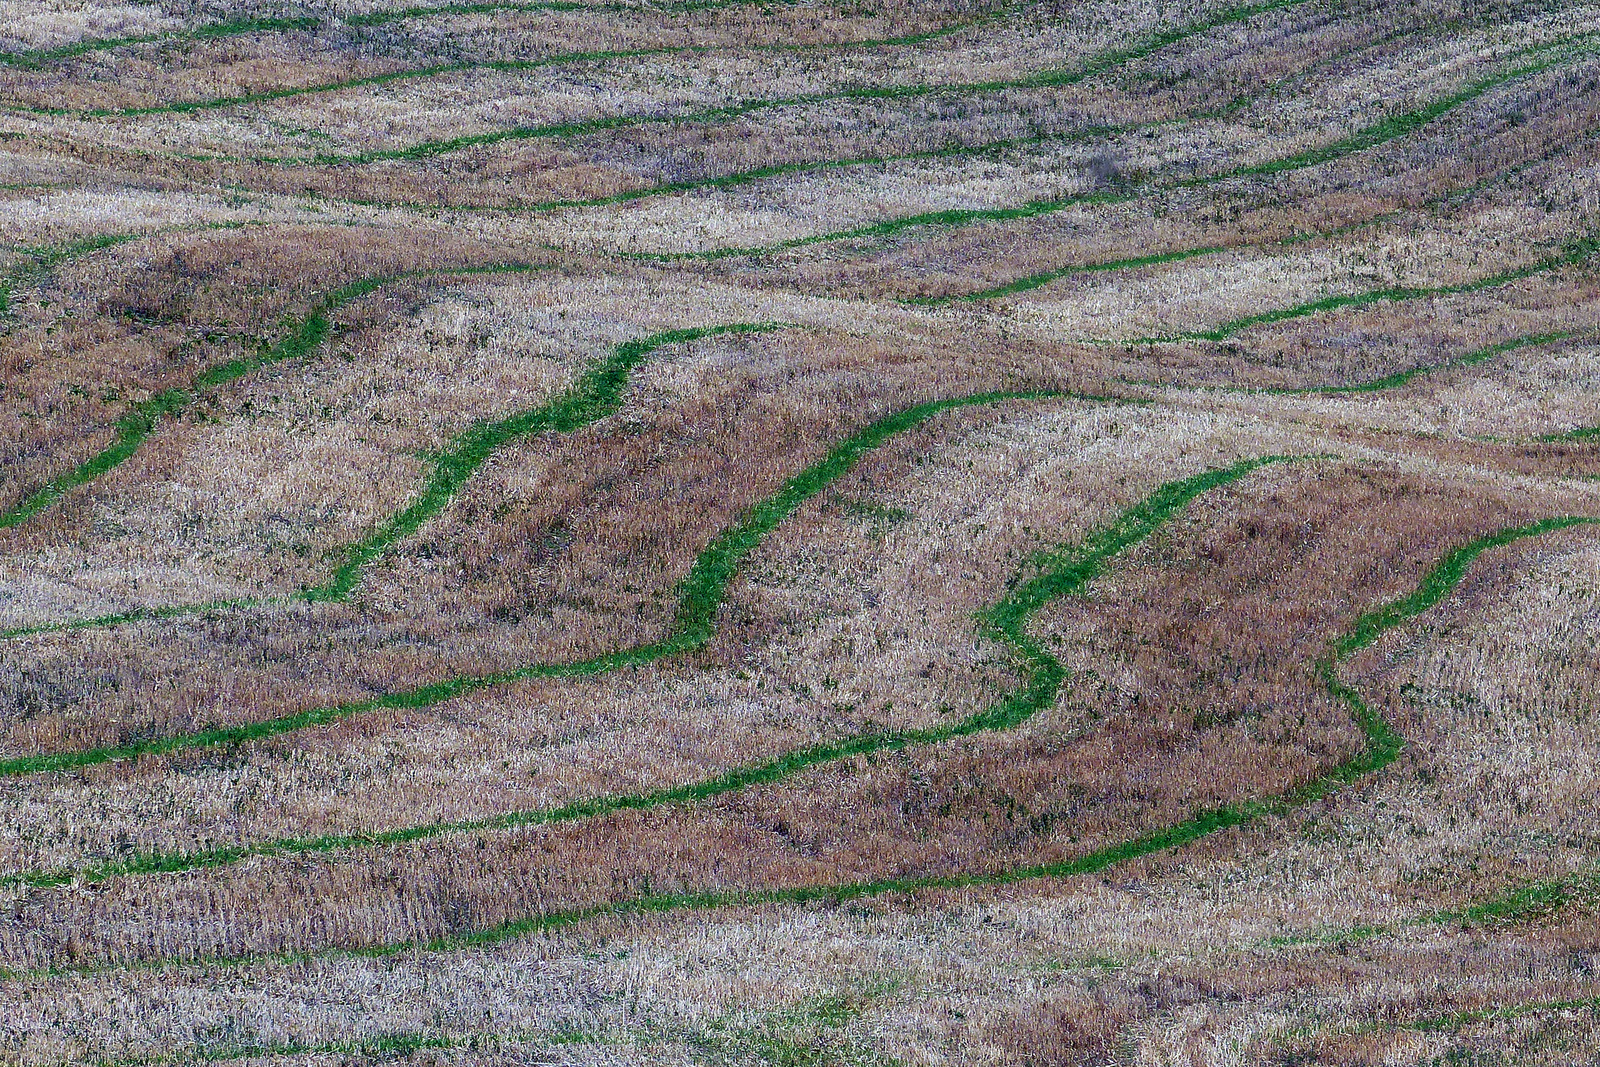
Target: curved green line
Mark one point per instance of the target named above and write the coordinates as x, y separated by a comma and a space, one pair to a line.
1583, 433
384, 18
1064, 572
380, 1047
231, 28
139, 422
1399, 378
1031, 282
141, 419
595, 395
952, 149
1577, 252
1480, 355
700, 595
1060, 574
40, 259
1045, 79
505, 66
239, 27
1389, 129
1456, 1020
1043, 278
1516, 904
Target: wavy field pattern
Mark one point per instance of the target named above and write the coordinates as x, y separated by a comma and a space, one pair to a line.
800, 533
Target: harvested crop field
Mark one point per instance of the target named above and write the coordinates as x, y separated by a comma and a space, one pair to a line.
800, 532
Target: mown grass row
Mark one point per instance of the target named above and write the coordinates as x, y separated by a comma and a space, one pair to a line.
1379, 133
241, 27
1065, 571
699, 597
1446, 1021
596, 394
509, 66
141, 419
1515, 905
380, 1048
1056, 78
1405, 377
953, 149
1470, 359
1583, 433
40, 259
1576, 253
1058, 574
1030, 282
1458, 1019
786, 1037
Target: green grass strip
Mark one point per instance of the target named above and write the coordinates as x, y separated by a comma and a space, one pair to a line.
1577, 252
506, 66
1380, 133
1399, 378
1459, 1019
1043, 278
240, 27
382, 1047
595, 395
1399, 125
1471, 359
954, 149
385, 18
42, 258
700, 596
1514, 905
1044, 79
1040, 280
949, 218
231, 28
131, 430
47, 256
1060, 573
1067, 571
1440, 581
141, 419
1583, 433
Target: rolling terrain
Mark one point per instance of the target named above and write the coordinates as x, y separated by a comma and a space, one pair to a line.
800, 532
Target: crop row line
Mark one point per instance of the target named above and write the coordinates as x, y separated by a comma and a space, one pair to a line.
509, 66
240, 27
1389, 129
1056, 78
1064, 572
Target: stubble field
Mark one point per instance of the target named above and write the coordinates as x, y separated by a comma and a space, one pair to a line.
800, 532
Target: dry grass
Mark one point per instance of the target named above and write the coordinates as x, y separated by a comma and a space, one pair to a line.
833, 781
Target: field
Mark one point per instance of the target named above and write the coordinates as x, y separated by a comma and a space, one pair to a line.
800, 532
